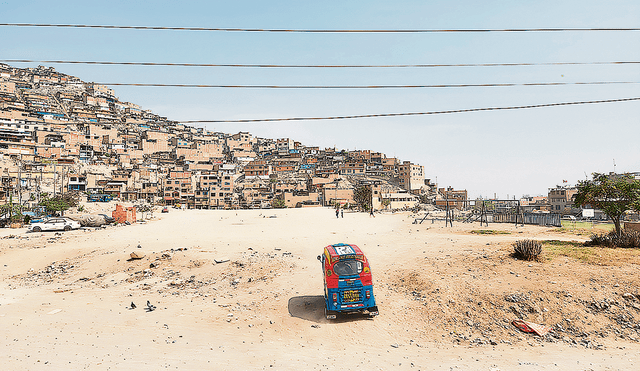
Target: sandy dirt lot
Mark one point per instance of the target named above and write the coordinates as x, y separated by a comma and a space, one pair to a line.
243, 291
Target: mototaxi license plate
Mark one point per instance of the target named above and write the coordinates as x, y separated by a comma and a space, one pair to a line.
351, 296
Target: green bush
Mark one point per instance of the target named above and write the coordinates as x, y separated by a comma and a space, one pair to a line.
278, 203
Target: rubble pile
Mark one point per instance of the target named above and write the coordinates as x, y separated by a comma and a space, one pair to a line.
478, 317
50, 273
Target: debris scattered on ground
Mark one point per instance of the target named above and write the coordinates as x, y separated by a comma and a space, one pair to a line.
530, 327
136, 256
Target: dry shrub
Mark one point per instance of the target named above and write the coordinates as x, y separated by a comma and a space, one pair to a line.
626, 239
527, 249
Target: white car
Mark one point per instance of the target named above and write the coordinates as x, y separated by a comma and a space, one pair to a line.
54, 224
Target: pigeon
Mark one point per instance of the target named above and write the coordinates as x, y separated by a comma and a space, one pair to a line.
150, 307
133, 306
139, 246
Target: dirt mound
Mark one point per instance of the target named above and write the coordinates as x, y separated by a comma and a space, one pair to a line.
476, 300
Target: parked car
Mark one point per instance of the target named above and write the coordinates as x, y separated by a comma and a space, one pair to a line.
165, 209
348, 286
108, 219
54, 224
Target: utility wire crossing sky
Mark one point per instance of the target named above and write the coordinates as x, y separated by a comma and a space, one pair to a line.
467, 30
318, 65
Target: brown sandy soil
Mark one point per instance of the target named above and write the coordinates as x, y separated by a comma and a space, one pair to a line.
446, 297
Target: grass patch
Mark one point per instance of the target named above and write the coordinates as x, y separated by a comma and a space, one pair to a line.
567, 224
489, 231
583, 228
553, 249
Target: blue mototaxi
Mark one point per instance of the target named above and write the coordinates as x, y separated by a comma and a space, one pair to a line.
348, 286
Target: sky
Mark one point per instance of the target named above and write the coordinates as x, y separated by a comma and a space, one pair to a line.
490, 154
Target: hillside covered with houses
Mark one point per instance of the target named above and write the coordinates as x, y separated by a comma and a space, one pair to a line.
60, 134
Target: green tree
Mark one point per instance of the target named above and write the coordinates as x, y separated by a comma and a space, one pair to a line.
59, 203
12, 211
424, 198
278, 203
362, 197
386, 202
613, 194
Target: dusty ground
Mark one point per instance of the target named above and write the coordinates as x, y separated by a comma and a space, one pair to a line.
446, 297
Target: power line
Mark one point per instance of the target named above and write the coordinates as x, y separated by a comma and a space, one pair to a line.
433, 65
462, 30
366, 86
415, 113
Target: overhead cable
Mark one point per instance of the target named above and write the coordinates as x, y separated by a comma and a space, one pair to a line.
414, 113
283, 30
258, 65
508, 84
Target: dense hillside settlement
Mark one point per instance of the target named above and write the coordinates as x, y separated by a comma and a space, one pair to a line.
59, 134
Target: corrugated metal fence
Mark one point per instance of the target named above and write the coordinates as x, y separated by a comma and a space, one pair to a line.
529, 218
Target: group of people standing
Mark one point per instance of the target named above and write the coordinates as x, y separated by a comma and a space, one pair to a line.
340, 213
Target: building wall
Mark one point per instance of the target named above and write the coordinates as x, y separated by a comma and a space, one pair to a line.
400, 200
122, 215
343, 195
561, 198
7, 87
258, 168
411, 176
292, 200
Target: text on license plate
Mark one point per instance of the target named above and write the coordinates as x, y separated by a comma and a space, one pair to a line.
350, 296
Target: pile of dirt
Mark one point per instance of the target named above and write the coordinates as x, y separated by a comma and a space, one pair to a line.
473, 300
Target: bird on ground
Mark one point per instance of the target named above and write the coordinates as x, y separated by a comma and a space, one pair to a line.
150, 307
133, 306
139, 246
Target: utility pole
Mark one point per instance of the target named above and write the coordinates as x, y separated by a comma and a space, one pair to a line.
483, 215
39, 185
20, 180
448, 220
62, 182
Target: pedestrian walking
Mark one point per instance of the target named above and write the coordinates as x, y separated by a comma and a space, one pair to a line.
371, 213
337, 213
342, 213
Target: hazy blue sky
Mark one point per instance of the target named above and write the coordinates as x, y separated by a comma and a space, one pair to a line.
506, 152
